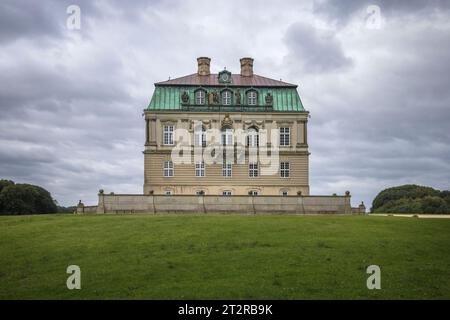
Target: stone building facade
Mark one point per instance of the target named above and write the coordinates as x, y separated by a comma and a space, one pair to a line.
225, 143
246, 104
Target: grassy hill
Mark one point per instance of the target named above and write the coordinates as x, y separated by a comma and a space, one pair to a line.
223, 257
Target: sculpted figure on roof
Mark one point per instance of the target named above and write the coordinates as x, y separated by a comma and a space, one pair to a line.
210, 97
215, 97
238, 97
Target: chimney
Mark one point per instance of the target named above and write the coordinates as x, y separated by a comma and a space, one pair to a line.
246, 67
203, 66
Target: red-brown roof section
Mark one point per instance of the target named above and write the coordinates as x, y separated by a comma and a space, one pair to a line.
236, 80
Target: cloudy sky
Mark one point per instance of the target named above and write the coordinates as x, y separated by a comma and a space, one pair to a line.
374, 75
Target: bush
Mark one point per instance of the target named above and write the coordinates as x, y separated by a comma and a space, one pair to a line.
412, 199
24, 199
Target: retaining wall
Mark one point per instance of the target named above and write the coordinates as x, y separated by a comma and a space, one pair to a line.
129, 203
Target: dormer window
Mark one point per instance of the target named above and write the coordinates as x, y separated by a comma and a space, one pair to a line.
200, 97
252, 98
226, 97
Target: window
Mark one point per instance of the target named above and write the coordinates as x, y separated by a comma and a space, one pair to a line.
200, 169
227, 137
200, 193
200, 97
168, 135
253, 169
200, 137
226, 193
251, 98
253, 193
252, 137
227, 169
284, 169
168, 168
285, 136
168, 192
226, 97
284, 193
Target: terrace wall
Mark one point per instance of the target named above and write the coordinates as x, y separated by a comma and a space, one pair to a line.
130, 203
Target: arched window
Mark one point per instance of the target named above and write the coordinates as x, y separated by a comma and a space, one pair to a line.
252, 98
200, 96
200, 136
252, 137
226, 97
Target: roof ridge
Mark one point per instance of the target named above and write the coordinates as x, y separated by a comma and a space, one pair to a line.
255, 80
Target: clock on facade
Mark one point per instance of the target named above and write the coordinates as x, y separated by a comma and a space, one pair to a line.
224, 76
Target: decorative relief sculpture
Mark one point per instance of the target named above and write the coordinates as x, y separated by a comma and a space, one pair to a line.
210, 97
238, 97
185, 97
269, 99
227, 122
215, 97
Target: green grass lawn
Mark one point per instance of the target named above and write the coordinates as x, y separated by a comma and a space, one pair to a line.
223, 257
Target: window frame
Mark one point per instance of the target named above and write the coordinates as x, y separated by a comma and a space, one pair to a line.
253, 138
200, 135
253, 169
228, 99
227, 169
200, 98
285, 169
168, 135
285, 136
200, 170
252, 101
227, 193
168, 170
227, 133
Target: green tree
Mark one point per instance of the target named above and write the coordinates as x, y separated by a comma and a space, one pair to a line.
412, 199
25, 199
5, 183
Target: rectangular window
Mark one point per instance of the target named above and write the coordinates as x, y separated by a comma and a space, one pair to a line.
168, 134
252, 98
200, 97
200, 138
284, 169
252, 138
253, 169
227, 137
226, 193
227, 169
226, 97
284, 193
168, 168
200, 169
253, 193
285, 136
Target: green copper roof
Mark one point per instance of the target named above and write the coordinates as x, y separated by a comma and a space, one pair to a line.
167, 97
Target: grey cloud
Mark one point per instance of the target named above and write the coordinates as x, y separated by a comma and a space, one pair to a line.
315, 50
341, 11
